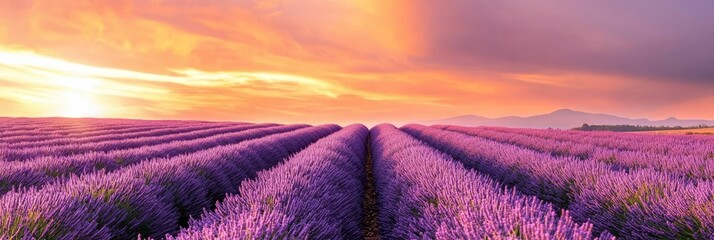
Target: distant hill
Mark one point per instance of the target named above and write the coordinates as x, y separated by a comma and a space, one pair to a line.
563, 119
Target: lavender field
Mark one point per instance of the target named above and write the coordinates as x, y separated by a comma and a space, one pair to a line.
128, 179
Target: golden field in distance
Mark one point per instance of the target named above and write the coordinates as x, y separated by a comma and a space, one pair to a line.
703, 131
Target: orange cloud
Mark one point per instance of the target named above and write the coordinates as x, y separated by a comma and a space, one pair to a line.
322, 61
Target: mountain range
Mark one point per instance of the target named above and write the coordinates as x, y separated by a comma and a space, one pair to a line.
564, 119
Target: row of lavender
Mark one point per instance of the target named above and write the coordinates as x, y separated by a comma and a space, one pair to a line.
638, 203
665, 144
73, 146
153, 197
53, 136
153, 190
422, 194
33, 127
460, 183
112, 135
53, 168
107, 137
425, 194
316, 194
188, 137
693, 165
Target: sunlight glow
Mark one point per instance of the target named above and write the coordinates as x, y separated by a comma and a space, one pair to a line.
78, 83
73, 104
75, 98
21, 58
69, 89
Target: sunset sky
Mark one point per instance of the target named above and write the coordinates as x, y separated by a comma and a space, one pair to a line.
355, 61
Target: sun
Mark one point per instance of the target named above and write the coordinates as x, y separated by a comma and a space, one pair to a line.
76, 96
61, 88
77, 104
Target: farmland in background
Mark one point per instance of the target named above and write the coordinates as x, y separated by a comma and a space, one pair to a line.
123, 179
699, 131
